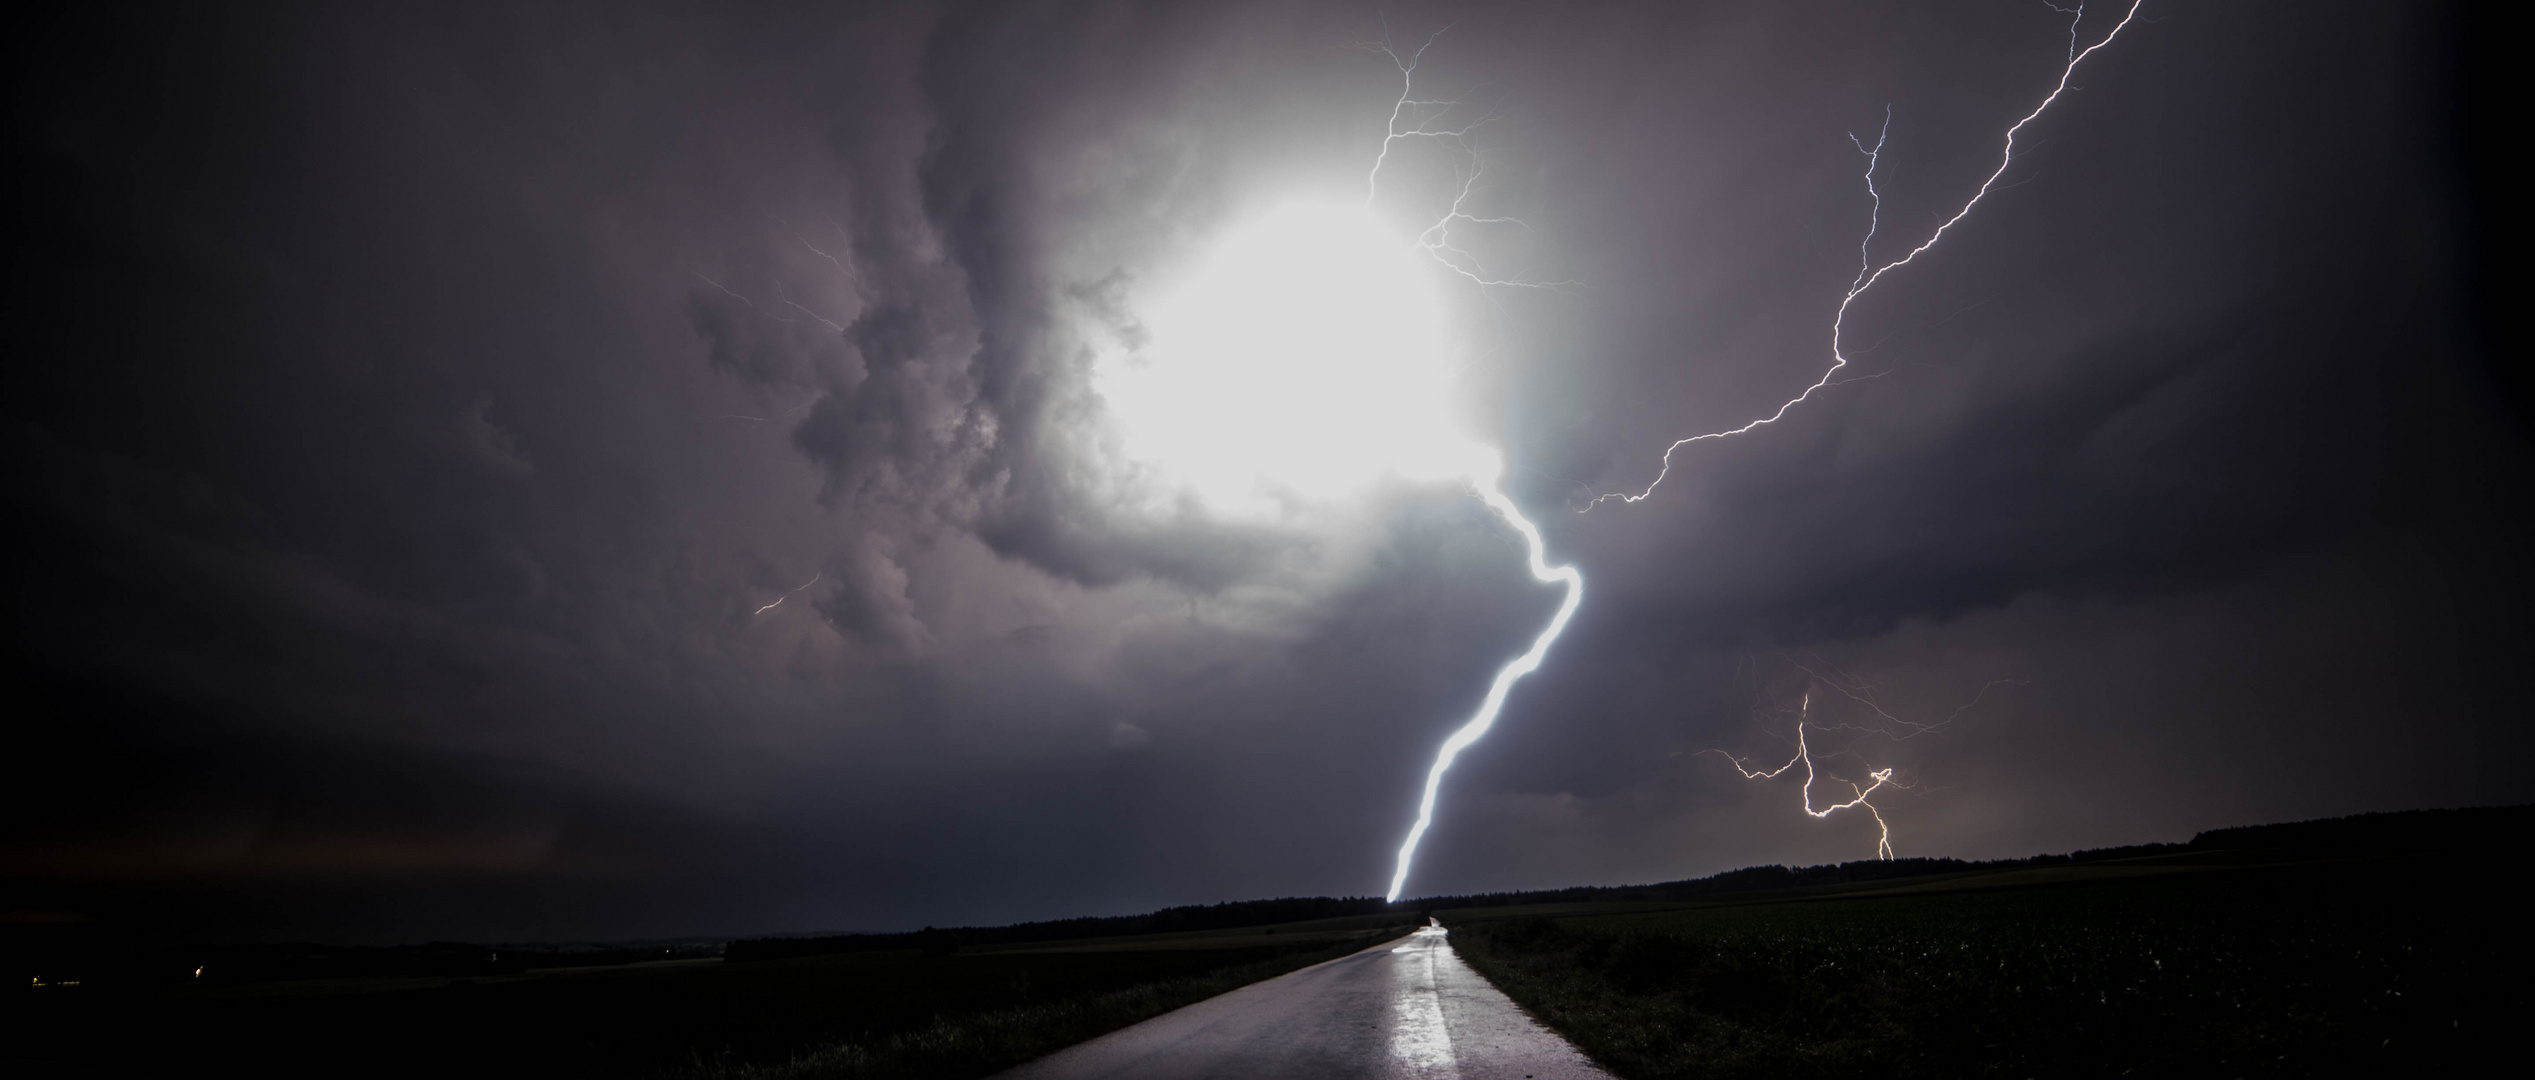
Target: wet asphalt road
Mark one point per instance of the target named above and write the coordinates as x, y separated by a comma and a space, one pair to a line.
1403, 1010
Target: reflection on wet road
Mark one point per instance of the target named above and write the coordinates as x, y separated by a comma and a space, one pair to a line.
1403, 1010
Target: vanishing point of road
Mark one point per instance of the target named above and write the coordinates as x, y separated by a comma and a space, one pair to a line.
1402, 1010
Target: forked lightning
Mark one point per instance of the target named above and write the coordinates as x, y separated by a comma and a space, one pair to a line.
1436, 240
1867, 272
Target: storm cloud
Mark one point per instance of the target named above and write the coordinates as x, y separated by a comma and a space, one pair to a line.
596, 471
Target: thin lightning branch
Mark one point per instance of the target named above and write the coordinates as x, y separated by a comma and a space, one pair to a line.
785, 413
1984, 692
1863, 692
851, 274
814, 250
1865, 279
1420, 117
2075, 15
1909, 729
1862, 695
1875, 212
1391, 132
796, 306
1804, 755
726, 290
1493, 493
814, 579
1416, 118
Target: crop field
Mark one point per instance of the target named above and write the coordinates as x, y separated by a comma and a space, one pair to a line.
2383, 944
874, 1014
2179, 966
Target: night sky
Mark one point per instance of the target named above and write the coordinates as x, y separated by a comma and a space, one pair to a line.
409, 410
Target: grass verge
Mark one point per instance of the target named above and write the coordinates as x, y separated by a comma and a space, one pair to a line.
2266, 971
892, 1013
971, 1044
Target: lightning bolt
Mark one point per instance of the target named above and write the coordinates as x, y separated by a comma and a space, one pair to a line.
1867, 272
814, 579
1413, 118
1804, 755
1862, 692
1892, 727
1492, 492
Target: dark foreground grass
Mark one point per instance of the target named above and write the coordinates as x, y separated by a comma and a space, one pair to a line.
2387, 967
864, 1015
971, 1044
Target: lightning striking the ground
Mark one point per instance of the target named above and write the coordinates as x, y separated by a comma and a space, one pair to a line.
1412, 118
1867, 272
1491, 491
1415, 118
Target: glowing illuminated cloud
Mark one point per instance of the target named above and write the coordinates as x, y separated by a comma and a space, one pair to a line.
1305, 359
1302, 359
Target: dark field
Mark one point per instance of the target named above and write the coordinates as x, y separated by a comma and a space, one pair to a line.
2187, 964
894, 1013
2386, 944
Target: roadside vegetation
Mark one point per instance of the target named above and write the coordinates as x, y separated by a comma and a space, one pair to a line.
873, 1013
2174, 965
971, 1041
2378, 944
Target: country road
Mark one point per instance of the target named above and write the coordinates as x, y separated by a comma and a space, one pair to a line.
1402, 1010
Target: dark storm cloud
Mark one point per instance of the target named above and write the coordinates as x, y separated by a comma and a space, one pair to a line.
960, 399
417, 411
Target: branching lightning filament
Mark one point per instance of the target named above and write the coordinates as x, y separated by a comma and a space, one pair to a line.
1412, 118
778, 602
1872, 720
1804, 756
1868, 273
1422, 119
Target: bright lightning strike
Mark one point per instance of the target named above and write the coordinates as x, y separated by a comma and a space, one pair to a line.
814, 579
1436, 240
1867, 272
1304, 358
1492, 492
1804, 755
1820, 674
1412, 118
